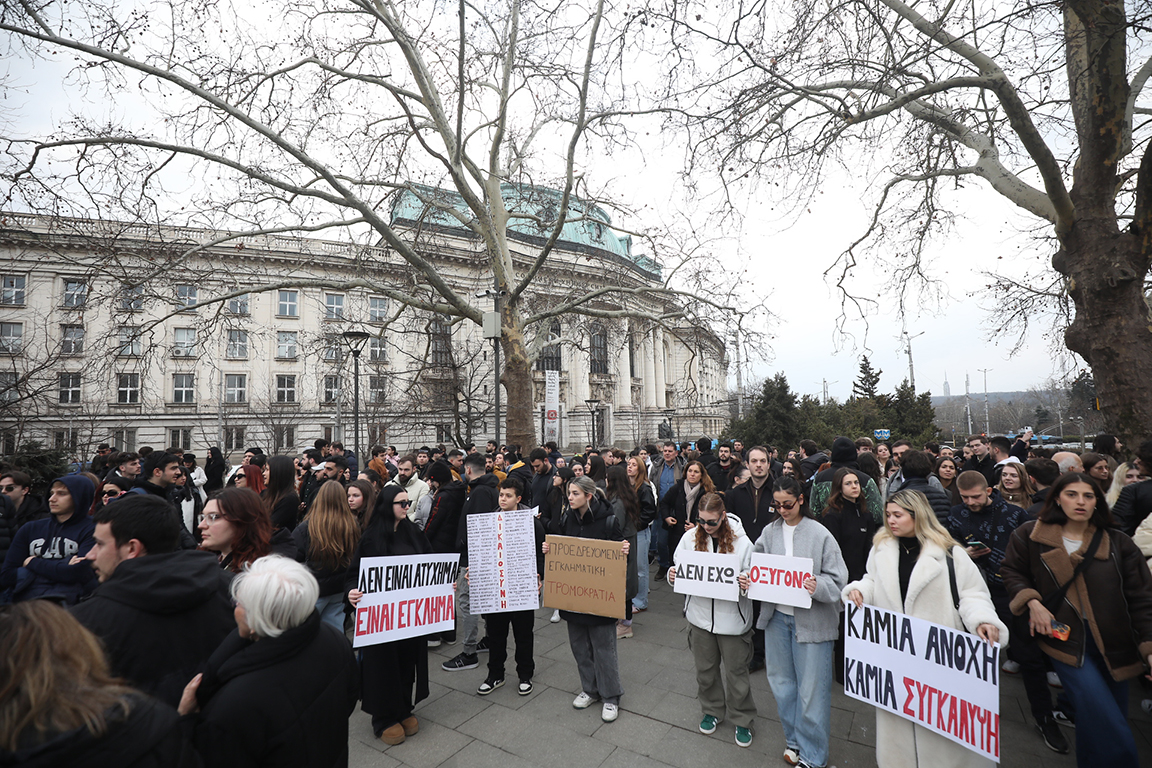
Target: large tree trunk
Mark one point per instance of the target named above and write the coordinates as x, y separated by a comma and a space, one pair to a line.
517, 379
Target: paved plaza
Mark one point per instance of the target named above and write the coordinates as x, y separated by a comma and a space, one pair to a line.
658, 718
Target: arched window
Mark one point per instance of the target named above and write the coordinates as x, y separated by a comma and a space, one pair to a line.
550, 359
598, 350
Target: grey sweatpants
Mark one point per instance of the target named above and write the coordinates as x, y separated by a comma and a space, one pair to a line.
594, 648
735, 651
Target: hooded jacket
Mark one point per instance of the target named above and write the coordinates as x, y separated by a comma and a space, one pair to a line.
444, 517
811, 464
940, 501
160, 617
843, 455
149, 736
721, 617
52, 544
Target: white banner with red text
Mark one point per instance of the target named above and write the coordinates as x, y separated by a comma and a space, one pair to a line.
707, 574
943, 679
405, 596
779, 579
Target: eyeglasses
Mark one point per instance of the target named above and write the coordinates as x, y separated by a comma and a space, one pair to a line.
108, 494
213, 517
7, 488
403, 504
787, 505
709, 523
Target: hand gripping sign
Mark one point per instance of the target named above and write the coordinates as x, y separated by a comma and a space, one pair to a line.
405, 596
707, 574
780, 579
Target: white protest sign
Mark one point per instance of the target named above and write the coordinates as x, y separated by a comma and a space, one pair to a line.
502, 562
405, 596
707, 574
780, 579
940, 678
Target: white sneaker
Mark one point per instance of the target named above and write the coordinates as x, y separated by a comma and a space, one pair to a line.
610, 712
791, 756
583, 701
1011, 667
555, 617
1054, 680
434, 643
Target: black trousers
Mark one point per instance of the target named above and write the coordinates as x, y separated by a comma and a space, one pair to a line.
521, 623
1026, 652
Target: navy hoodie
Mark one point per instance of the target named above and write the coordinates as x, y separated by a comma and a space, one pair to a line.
53, 544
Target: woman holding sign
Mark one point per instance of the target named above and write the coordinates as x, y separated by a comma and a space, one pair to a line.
720, 631
593, 638
390, 671
907, 573
798, 641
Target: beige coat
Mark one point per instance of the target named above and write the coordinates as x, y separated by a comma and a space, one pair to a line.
1143, 538
901, 742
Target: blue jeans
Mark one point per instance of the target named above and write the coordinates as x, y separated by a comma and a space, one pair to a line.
1102, 733
643, 538
331, 610
801, 678
662, 545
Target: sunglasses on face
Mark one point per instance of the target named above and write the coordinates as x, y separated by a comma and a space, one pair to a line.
788, 505
403, 504
7, 488
709, 523
109, 494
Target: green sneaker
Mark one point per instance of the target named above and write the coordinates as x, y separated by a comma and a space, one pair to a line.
743, 737
708, 724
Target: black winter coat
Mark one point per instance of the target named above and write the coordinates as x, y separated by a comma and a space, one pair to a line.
523, 472
675, 504
599, 521
160, 617
280, 702
444, 516
853, 532
719, 474
940, 500
286, 513
150, 736
539, 488
986, 467
11, 520
648, 508
483, 497
331, 580
739, 501
1134, 504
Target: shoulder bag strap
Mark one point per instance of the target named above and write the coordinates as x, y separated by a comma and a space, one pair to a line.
952, 581
1052, 602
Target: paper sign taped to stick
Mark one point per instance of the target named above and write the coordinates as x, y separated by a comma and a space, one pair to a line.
585, 576
780, 579
943, 679
707, 574
405, 596
502, 562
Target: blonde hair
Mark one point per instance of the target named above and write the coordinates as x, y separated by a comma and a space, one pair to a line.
1113, 494
928, 528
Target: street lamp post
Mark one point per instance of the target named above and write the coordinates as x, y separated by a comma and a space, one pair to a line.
356, 341
593, 404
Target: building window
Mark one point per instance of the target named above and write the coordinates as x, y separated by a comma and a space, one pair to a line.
8, 442
124, 440
286, 345
285, 389
331, 389
286, 305
631, 355
186, 295
549, 359
184, 342
377, 309
333, 350
128, 388
333, 306
377, 434
65, 439
12, 289
75, 293
129, 341
444, 433
377, 351
180, 438
11, 338
377, 386
238, 305
233, 438
132, 298
73, 340
440, 341
284, 438
69, 389
184, 388
237, 348
9, 389
598, 350
235, 388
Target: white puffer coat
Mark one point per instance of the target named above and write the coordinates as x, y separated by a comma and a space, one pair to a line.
720, 617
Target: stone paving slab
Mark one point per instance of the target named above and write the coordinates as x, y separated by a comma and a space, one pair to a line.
658, 719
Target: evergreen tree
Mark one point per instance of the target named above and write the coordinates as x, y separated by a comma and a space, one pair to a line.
772, 416
866, 384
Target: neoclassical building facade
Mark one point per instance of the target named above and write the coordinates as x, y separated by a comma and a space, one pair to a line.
158, 335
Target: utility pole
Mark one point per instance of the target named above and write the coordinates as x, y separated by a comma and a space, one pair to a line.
825, 391
987, 426
739, 375
967, 403
908, 349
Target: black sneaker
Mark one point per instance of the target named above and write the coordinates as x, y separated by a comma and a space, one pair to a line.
482, 646
524, 688
461, 662
1061, 717
1052, 736
489, 685
661, 574
756, 664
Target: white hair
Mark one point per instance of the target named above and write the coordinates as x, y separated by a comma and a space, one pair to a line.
277, 594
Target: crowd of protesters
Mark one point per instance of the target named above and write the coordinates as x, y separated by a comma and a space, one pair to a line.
162, 613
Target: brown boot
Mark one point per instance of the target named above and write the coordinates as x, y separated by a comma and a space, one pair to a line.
393, 735
410, 725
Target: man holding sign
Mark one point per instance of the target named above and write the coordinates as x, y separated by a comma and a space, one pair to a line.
708, 562
801, 622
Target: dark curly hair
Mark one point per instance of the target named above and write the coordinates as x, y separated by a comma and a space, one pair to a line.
244, 508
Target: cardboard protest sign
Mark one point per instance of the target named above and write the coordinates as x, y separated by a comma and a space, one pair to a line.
502, 562
405, 596
780, 579
585, 576
707, 574
940, 678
